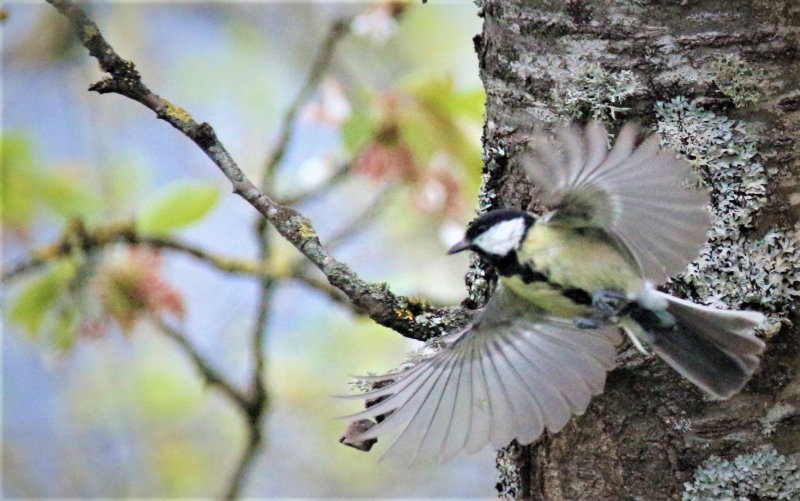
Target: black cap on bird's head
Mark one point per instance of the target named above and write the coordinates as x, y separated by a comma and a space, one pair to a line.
495, 233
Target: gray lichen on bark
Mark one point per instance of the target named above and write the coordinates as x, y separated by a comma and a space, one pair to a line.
762, 475
719, 80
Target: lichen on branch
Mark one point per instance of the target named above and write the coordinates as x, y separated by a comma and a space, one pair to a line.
375, 300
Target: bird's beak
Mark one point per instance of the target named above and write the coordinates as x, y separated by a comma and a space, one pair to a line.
460, 246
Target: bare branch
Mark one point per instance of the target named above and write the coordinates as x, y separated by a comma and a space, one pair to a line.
258, 390
386, 308
320, 65
211, 375
251, 408
366, 216
258, 396
234, 488
337, 177
77, 237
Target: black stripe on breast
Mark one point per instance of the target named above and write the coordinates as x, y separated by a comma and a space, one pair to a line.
578, 296
509, 265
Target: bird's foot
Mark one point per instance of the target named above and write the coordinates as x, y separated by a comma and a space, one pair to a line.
587, 322
609, 303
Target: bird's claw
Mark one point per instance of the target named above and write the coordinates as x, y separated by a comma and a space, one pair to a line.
609, 303
587, 323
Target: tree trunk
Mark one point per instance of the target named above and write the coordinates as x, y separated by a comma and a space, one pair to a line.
719, 80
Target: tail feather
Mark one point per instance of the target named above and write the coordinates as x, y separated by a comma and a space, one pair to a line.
732, 330
717, 350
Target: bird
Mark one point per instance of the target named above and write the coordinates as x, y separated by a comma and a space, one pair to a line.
571, 281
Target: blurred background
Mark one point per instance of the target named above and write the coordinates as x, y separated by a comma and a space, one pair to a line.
383, 155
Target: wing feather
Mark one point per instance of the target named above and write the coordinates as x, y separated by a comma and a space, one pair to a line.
528, 409
454, 439
628, 191
505, 421
402, 401
571, 384
413, 437
554, 408
481, 412
513, 373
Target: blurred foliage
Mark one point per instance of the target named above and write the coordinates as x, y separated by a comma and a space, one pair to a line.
177, 206
424, 133
130, 286
164, 393
80, 294
446, 120
81, 297
178, 461
27, 187
420, 135
36, 302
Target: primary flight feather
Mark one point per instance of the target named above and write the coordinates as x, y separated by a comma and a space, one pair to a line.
622, 221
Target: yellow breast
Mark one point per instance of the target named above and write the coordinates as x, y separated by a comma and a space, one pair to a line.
582, 261
546, 297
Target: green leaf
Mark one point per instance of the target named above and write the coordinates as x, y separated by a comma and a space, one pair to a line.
27, 187
19, 173
40, 295
469, 104
66, 196
420, 134
357, 130
124, 183
62, 330
176, 206
440, 96
444, 117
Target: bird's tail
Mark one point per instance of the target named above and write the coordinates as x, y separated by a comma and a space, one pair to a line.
717, 350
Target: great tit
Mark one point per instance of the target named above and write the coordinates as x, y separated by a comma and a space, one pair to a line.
621, 222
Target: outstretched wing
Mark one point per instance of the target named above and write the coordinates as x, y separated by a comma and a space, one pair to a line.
638, 195
510, 375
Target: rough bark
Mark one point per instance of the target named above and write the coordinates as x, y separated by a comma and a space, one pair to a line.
708, 63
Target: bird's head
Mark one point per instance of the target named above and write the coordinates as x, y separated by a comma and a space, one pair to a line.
496, 234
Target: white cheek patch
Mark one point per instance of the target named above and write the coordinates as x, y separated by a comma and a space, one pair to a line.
501, 238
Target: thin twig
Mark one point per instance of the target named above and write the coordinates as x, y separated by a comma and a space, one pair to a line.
76, 237
366, 216
318, 69
211, 375
259, 397
244, 464
326, 186
384, 307
250, 408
